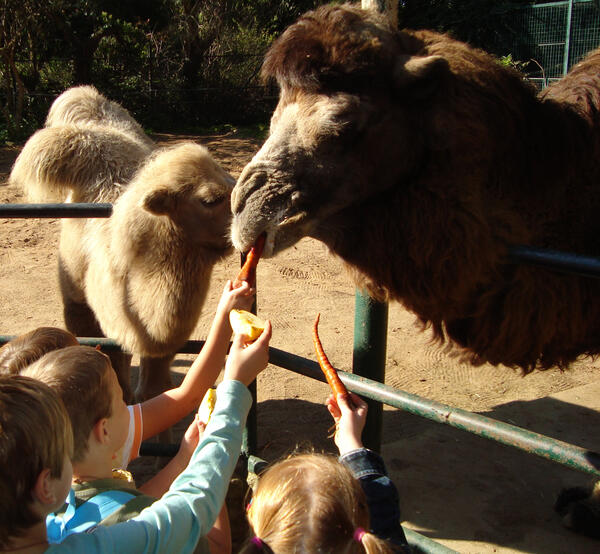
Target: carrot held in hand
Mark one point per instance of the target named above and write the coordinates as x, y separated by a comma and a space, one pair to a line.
248, 271
330, 372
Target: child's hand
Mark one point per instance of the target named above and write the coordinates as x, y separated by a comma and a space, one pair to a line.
240, 298
349, 422
190, 439
246, 361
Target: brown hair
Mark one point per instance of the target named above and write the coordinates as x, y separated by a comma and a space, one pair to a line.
29, 347
80, 376
310, 503
35, 434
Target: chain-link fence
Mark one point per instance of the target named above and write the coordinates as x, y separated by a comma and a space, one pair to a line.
555, 36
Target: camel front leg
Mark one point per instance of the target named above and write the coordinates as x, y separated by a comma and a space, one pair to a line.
154, 377
81, 321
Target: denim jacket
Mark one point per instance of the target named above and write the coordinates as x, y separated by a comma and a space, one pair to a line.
382, 496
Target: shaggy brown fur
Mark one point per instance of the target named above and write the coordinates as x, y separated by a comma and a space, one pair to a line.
420, 161
140, 276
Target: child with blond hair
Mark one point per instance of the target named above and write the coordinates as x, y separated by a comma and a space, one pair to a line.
36, 446
108, 433
315, 502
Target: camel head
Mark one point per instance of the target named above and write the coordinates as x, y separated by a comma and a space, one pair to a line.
338, 134
191, 191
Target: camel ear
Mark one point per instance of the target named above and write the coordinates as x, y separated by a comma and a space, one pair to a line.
161, 201
420, 75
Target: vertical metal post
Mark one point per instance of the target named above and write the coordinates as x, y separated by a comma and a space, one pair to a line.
370, 317
567, 52
370, 341
250, 436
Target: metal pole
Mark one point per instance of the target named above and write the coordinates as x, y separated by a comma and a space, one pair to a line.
420, 543
567, 38
563, 262
55, 210
566, 262
370, 342
574, 457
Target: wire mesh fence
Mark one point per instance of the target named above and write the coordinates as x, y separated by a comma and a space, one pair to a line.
555, 36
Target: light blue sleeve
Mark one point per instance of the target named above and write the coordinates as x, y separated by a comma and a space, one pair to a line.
190, 507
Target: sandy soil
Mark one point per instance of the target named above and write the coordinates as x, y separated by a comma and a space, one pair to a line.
466, 492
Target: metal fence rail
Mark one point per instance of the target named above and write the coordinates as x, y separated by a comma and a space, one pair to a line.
551, 449
557, 261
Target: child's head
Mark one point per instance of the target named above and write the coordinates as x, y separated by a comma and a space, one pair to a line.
85, 381
310, 503
28, 347
35, 444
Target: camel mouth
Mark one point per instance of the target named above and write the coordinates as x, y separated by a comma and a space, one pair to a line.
282, 230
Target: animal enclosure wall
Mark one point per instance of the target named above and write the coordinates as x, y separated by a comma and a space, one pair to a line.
556, 35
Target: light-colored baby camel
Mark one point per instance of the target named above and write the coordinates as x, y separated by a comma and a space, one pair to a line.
140, 276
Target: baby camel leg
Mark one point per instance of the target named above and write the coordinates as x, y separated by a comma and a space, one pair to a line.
80, 320
154, 378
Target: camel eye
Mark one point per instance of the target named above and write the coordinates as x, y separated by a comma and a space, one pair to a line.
211, 202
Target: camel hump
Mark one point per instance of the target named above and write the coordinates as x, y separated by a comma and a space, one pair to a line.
84, 105
87, 161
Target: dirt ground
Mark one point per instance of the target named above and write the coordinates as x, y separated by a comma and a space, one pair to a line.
468, 493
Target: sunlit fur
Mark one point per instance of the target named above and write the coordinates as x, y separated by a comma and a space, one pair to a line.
421, 161
144, 272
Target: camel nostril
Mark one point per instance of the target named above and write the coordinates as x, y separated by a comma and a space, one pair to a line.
248, 183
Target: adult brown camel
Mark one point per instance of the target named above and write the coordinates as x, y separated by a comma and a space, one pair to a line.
420, 161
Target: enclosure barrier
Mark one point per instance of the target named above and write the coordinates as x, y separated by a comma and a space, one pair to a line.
370, 331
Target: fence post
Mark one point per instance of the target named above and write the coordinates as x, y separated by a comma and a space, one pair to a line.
370, 342
567, 52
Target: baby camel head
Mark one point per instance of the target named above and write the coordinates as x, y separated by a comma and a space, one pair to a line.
189, 191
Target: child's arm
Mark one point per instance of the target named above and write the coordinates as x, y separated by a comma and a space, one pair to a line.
349, 422
368, 467
160, 483
166, 409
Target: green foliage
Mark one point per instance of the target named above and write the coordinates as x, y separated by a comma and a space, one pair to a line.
508, 61
179, 63
483, 23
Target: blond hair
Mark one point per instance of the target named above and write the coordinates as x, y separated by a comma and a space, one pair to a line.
310, 503
80, 376
35, 434
25, 349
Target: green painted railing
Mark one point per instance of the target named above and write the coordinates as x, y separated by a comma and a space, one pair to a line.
574, 457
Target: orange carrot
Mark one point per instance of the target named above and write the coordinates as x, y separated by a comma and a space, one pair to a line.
330, 372
248, 271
